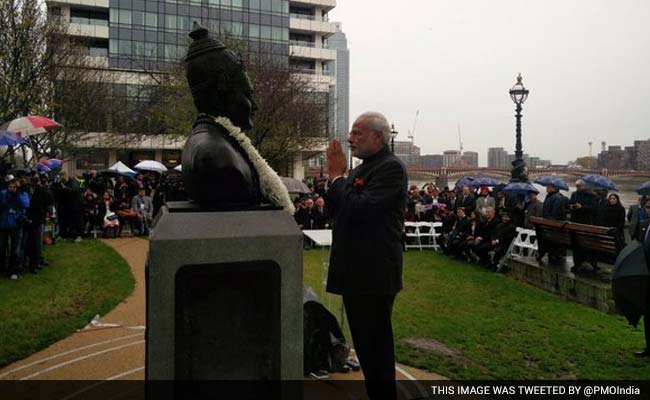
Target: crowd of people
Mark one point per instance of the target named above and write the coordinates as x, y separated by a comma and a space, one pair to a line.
479, 226
74, 208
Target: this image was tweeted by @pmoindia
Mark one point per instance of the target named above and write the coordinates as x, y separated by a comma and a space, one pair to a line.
533, 389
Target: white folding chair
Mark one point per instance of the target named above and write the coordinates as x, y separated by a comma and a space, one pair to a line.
412, 233
436, 228
428, 230
525, 244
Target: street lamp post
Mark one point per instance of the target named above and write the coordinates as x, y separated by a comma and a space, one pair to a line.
321, 160
393, 133
519, 94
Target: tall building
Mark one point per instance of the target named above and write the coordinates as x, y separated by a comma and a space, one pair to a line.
451, 158
130, 37
408, 152
339, 42
497, 158
470, 159
628, 157
432, 160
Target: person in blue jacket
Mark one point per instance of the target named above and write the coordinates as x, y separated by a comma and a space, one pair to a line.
13, 207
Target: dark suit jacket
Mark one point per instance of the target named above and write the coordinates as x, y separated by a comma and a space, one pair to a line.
468, 203
485, 229
553, 207
368, 211
633, 219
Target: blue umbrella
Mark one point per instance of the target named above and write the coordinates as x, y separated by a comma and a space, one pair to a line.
548, 180
644, 190
600, 182
8, 138
483, 182
464, 181
520, 187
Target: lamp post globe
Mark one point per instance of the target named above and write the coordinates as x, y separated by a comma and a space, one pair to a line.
519, 95
393, 134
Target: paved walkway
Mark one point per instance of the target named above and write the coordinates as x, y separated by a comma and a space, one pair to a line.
113, 347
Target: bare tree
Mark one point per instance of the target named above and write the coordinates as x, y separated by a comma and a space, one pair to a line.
43, 71
291, 115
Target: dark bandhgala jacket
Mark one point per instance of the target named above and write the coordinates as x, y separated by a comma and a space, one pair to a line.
368, 209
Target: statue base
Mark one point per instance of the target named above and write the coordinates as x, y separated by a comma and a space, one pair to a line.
224, 295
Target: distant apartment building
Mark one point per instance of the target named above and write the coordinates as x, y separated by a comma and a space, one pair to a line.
451, 158
497, 158
642, 154
339, 42
432, 160
470, 159
408, 152
628, 157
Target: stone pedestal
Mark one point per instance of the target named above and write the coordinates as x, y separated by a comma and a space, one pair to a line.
224, 296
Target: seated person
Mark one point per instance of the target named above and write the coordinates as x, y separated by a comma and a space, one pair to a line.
456, 237
143, 206
474, 229
501, 239
126, 216
478, 250
107, 212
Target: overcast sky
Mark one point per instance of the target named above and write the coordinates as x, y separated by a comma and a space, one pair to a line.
585, 62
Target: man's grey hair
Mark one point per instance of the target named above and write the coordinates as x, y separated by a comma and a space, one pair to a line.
581, 182
377, 122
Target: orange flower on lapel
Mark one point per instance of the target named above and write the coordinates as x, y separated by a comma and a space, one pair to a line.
359, 182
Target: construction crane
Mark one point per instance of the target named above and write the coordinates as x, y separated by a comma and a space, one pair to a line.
412, 132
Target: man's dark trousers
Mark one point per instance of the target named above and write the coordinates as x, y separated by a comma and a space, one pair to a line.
369, 317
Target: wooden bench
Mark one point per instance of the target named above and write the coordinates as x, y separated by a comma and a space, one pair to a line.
587, 242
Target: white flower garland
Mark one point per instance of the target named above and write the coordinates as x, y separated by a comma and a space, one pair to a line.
270, 183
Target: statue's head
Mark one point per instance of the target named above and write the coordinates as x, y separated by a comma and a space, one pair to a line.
218, 79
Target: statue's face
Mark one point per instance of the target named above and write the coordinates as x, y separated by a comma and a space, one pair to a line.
240, 104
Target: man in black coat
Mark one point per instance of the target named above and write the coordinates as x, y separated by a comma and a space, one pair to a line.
484, 233
366, 259
582, 204
466, 200
40, 202
554, 208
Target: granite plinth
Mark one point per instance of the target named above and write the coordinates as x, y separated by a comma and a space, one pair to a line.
591, 289
224, 295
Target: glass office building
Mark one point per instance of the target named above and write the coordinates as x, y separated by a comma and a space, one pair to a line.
148, 34
131, 38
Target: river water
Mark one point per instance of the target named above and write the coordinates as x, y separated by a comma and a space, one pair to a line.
627, 187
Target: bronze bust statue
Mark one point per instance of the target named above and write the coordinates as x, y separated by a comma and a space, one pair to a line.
216, 170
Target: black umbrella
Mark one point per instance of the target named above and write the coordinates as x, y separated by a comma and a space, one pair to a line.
295, 186
631, 282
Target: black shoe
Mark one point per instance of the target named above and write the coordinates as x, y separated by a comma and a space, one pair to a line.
45, 263
33, 271
643, 353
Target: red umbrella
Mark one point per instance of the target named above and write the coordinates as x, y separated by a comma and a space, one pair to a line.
30, 125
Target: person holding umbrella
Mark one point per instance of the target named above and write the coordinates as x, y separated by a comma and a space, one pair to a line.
553, 208
634, 215
582, 204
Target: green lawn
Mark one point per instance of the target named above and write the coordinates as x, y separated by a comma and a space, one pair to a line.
82, 280
501, 328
